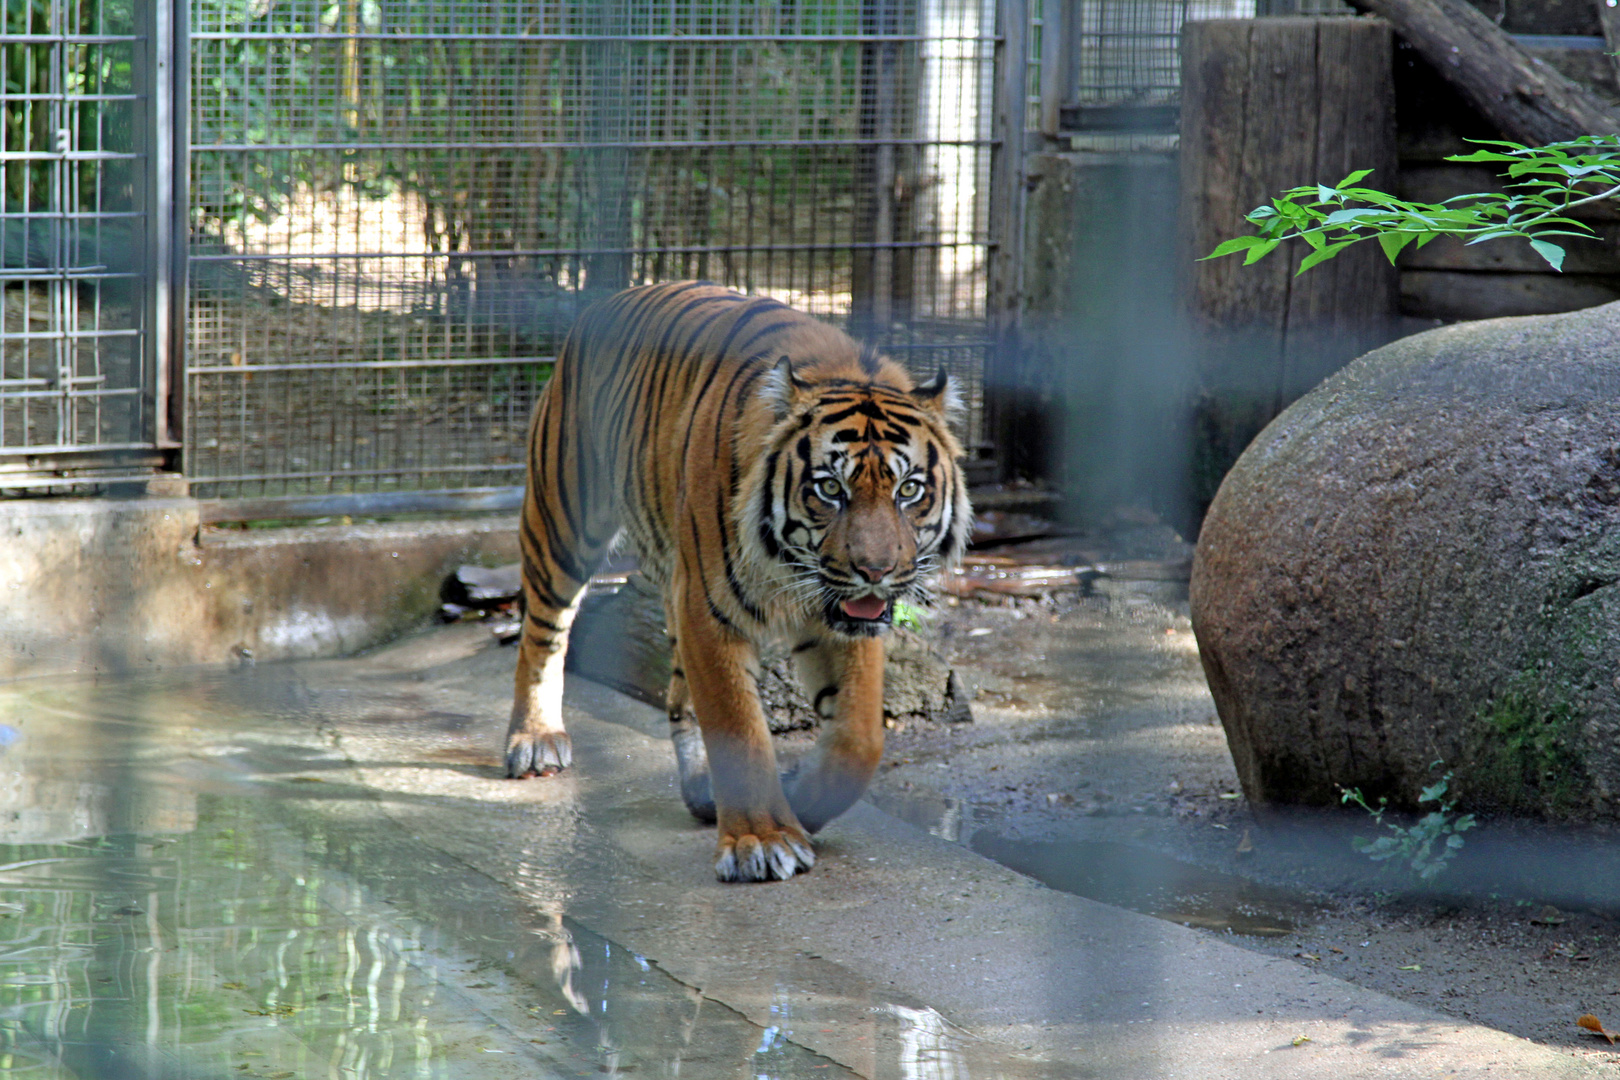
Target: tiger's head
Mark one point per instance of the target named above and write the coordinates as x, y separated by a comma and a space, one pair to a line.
859, 498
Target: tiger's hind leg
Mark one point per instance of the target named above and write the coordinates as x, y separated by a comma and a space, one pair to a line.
843, 678
697, 790
536, 742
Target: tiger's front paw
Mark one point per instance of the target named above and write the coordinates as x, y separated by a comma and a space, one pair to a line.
759, 848
542, 753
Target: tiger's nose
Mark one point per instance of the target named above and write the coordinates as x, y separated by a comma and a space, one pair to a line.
874, 574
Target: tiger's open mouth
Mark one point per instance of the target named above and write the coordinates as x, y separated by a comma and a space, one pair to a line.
862, 615
867, 607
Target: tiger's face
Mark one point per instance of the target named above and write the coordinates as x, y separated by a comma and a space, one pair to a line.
863, 500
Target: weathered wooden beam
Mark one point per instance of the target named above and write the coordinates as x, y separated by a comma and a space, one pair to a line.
1523, 96
1452, 295
1269, 104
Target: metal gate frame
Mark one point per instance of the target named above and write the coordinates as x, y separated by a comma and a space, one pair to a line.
114, 408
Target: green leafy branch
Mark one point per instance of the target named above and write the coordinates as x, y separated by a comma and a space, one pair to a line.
1545, 184
1425, 846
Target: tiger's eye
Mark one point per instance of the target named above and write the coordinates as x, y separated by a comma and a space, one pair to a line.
910, 489
829, 489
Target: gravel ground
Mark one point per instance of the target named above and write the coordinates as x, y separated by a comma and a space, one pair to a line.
1096, 763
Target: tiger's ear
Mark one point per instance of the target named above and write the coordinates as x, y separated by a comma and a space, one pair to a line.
783, 388
940, 395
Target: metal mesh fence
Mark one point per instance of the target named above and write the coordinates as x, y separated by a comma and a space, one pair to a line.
398, 207
1115, 67
74, 373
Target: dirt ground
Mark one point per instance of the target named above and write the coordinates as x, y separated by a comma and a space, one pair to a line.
1096, 763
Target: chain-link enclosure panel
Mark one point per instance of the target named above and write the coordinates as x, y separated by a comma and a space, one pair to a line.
398, 208
75, 369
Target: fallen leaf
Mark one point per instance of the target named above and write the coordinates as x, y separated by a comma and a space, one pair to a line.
1301, 1040
1308, 956
1245, 845
1595, 1026
1411, 967
1335, 948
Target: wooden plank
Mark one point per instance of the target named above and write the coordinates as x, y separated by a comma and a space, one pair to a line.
1600, 255
1269, 104
1435, 182
1280, 135
1525, 98
1215, 76
1441, 180
1450, 295
1342, 307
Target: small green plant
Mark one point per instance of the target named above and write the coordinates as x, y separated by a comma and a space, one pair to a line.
907, 616
1427, 845
1545, 184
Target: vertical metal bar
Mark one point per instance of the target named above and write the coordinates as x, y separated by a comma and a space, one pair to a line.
1004, 288
1057, 83
60, 288
883, 196
166, 218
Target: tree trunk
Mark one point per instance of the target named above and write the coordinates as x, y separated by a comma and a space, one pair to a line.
1525, 98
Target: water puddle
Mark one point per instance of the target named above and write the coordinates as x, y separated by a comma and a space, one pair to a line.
184, 894
1114, 873
1154, 884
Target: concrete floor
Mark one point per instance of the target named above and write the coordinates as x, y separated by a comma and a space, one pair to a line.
572, 926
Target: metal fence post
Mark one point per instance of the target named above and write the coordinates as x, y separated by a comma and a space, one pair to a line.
167, 235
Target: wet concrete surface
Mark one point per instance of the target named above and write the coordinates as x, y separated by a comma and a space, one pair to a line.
318, 869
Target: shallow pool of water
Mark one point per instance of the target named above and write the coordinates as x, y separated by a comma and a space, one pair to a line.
173, 905
1124, 875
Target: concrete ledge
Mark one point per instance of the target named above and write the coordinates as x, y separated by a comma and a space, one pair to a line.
105, 585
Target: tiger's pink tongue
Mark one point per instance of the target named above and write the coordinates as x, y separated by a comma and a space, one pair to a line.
867, 607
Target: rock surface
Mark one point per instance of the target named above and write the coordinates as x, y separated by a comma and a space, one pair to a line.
1417, 563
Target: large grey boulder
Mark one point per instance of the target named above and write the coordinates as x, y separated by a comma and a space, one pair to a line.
1418, 562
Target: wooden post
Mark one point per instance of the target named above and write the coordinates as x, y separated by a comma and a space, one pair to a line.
1269, 104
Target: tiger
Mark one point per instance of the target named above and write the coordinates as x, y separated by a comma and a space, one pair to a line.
777, 481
